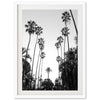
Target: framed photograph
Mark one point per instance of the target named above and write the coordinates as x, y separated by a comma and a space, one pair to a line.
51, 50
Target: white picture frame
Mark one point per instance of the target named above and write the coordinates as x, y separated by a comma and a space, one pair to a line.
81, 6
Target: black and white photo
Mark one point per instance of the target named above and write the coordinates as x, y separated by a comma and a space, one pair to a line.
50, 49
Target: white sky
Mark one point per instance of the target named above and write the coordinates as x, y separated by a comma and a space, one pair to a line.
51, 22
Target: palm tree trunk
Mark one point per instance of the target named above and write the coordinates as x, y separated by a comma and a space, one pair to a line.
37, 67
61, 51
64, 47
65, 23
41, 68
58, 70
28, 46
48, 75
34, 53
68, 42
39, 71
74, 22
58, 51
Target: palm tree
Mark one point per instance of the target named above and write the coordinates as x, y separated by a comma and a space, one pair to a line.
57, 46
60, 40
41, 47
30, 28
66, 18
38, 32
48, 70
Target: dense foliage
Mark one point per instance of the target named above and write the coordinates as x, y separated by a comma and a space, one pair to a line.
69, 70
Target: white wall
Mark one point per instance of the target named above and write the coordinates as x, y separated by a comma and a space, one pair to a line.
7, 49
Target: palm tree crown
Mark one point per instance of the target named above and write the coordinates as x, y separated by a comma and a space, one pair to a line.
48, 70
31, 27
60, 39
58, 58
57, 45
66, 17
39, 30
42, 55
41, 41
65, 31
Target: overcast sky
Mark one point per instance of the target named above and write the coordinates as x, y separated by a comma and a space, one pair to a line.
51, 22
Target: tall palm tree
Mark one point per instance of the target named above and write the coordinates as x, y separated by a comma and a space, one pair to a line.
38, 32
41, 47
57, 46
60, 40
65, 18
48, 70
30, 28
